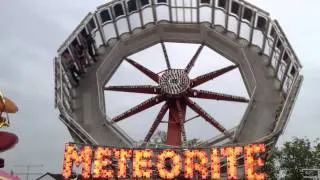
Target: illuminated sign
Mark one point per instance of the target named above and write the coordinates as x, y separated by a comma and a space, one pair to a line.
104, 162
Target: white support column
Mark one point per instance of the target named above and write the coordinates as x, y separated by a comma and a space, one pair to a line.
265, 36
154, 11
285, 74
176, 5
99, 26
240, 20
198, 11
252, 27
61, 82
140, 13
273, 49
170, 10
126, 9
226, 21
65, 89
183, 11
279, 61
56, 68
114, 21
213, 9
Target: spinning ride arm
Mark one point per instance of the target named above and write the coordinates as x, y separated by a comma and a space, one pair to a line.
175, 88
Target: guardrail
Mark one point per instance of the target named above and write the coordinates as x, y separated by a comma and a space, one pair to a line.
77, 130
285, 113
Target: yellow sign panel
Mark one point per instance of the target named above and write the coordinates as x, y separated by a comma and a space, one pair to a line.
7, 105
107, 163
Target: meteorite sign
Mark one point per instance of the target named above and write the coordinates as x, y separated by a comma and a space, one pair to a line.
107, 163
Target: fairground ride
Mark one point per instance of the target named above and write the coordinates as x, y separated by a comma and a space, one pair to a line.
236, 29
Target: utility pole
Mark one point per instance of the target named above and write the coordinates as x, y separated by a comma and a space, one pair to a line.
28, 167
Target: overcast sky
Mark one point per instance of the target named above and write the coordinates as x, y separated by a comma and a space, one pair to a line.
31, 31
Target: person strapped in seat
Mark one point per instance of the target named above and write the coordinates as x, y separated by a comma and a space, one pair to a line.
70, 66
80, 56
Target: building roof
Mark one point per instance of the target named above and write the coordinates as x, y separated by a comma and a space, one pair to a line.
55, 176
6, 175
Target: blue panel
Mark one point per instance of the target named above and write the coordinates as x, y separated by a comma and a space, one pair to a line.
247, 14
279, 44
118, 10
222, 4
286, 58
91, 24
132, 5
205, 1
235, 8
105, 16
262, 23
273, 33
293, 71
144, 2
162, 1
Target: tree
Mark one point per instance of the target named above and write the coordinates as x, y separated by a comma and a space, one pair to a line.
289, 160
316, 153
161, 137
284, 163
271, 166
295, 156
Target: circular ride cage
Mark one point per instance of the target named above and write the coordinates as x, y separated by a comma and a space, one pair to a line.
236, 29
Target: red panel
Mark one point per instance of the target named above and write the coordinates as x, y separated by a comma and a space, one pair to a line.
207, 77
144, 70
7, 140
1, 163
146, 89
156, 122
141, 107
193, 60
194, 106
215, 96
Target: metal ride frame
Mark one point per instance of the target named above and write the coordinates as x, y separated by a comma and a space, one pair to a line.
238, 30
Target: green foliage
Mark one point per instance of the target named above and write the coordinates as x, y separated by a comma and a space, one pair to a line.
281, 163
296, 155
161, 136
272, 164
289, 160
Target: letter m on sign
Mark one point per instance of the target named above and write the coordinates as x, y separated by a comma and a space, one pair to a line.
72, 156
